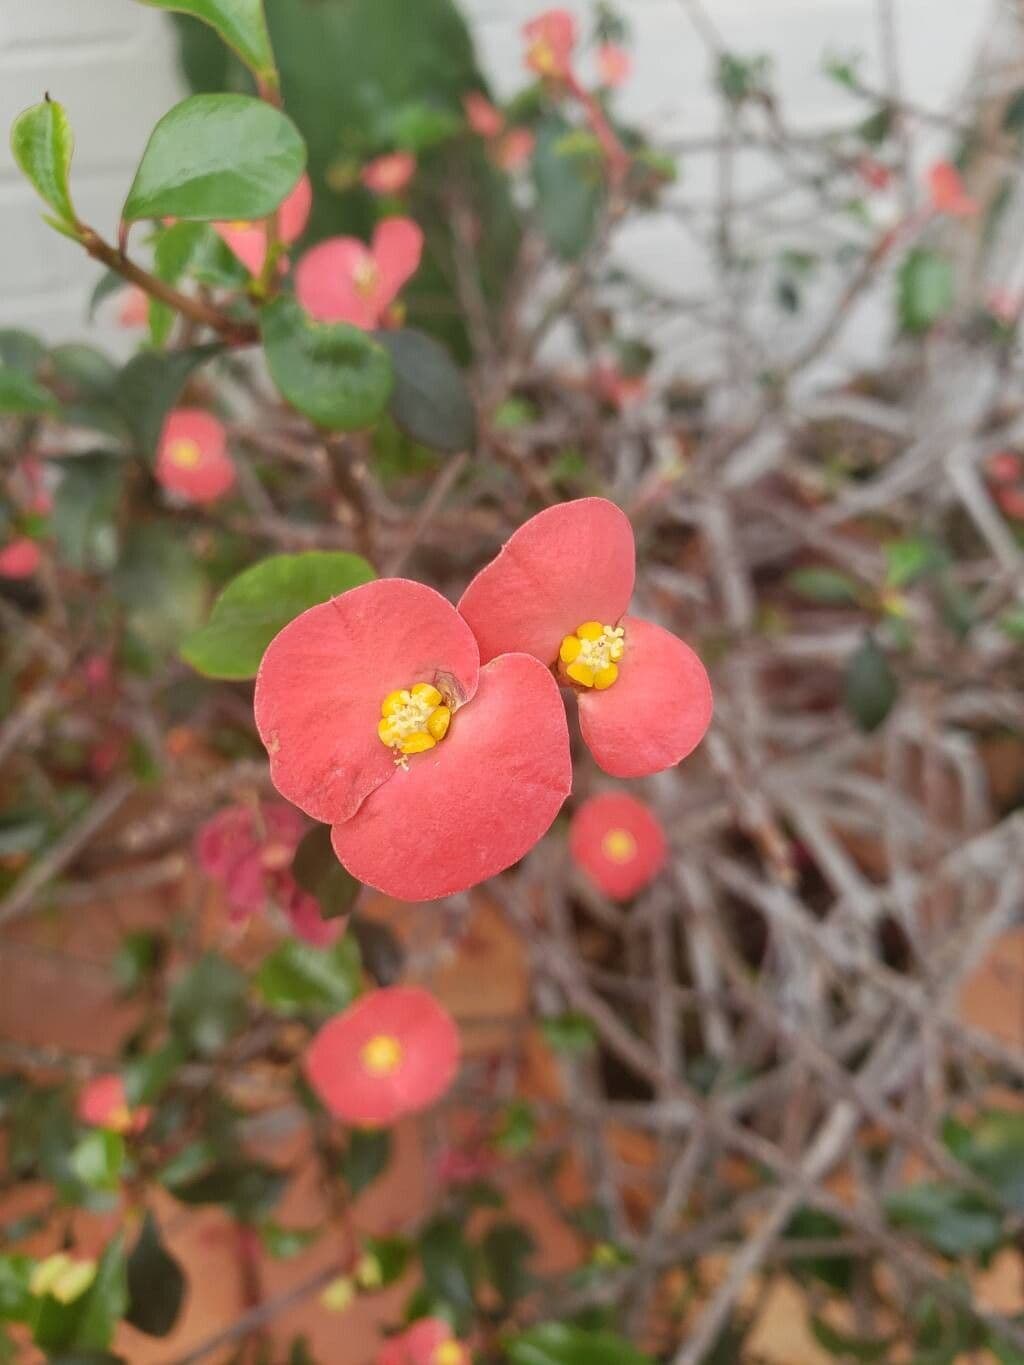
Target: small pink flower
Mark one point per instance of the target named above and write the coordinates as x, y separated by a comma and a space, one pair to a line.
249, 851
875, 174
248, 241
559, 590
429, 1341
102, 1103
20, 558
550, 41
948, 192
192, 459
1005, 467
434, 772
1011, 500
133, 307
394, 1052
482, 116
514, 150
616, 389
343, 280
614, 65
389, 174
619, 843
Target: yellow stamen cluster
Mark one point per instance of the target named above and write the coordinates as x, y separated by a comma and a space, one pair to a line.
541, 56
591, 656
619, 845
366, 275
414, 719
448, 1353
185, 453
382, 1055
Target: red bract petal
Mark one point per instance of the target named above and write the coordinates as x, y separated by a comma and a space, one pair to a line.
655, 713
20, 558
389, 174
476, 803
102, 1103
618, 842
133, 307
327, 283
192, 458
613, 64
569, 564
309, 924
293, 214
425, 1045
515, 149
248, 241
397, 248
948, 192
481, 115
550, 39
323, 678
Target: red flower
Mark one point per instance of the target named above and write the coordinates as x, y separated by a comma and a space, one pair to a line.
948, 192
249, 240
1011, 500
102, 1103
1004, 467
389, 174
394, 1052
427, 1342
558, 591
249, 851
481, 115
514, 150
308, 923
614, 65
617, 389
133, 307
379, 720
20, 558
550, 40
343, 280
192, 458
619, 843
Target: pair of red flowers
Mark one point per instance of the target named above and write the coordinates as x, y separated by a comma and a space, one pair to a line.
434, 740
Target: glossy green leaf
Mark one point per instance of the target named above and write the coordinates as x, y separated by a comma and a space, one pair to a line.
992, 1145
335, 374
507, 1247
156, 1283
240, 23
261, 601
870, 687
20, 395
85, 511
106, 1300
366, 1157
925, 289
250, 1190
283, 1242
42, 144
570, 190
430, 401
98, 1158
217, 157
317, 870
383, 1261
298, 977
148, 1074
208, 1003
559, 1343
149, 387
449, 1266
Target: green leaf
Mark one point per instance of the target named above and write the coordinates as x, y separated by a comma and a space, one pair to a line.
925, 289
240, 23
21, 350
215, 158
156, 1283
870, 687
283, 1243
261, 601
22, 396
98, 1158
430, 401
381, 951
85, 511
335, 374
383, 1262
298, 977
834, 1271
910, 559
15, 1297
138, 955
569, 1033
517, 1129
569, 188
160, 585
317, 870
148, 388
366, 1157
1011, 623
106, 1301
506, 1249
449, 1268
208, 1004
953, 1221
42, 144
558, 1343
841, 1344
147, 1075
249, 1189
992, 1145
825, 585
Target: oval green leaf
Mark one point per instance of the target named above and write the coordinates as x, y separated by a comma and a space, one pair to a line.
42, 144
261, 601
240, 23
335, 374
156, 1283
217, 157
430, 401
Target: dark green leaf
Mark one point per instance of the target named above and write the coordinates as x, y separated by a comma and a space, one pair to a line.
15, 1298
517, 1129
834, 1271
335, 374
870, 687
383, 1262
569, 1033
846, 1347
381, 951
260, 602
297, 977
42, 144
215, 158
992, 1145
160, 585
366, 1157
240, 23
248, 1189
20, 395
506, 1248
106, 1301
824, 585
558, 1343
449, 1269
925, 289
138, 955
430, 401
953, 1221
317, 870
569, 188
149, 387
85, 511
283, 1243
147, 1075
98, 1158
21, 350
156, 1283
208, 1004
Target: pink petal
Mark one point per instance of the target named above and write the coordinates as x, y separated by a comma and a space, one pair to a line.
309, 924
293, 215
323, 678
655, 713
248, 241
569, 564
213, 472
389, 174
397, 248
20, 558
325, 283
99, 1098
481, 115
476, 803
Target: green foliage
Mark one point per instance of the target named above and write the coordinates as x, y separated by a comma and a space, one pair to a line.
261, 601
430, 401
870, 687
367, 1156
98, 1158
285, 1243
160, 586
955, 1222
217, 157
449, 1267
384, 1260
149, 387
207, 1004
925, 289
506, 1248
42, 144
20, 395
335, 374
570, 190
87, 1321
570, 1033
156, 1283
828, 586
316, 869
559, 1343
240, 23
911, 559
993, 1147
297, 978
85, 511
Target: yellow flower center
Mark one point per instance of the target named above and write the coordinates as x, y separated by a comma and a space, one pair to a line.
541, 57
591, 656
413, 720
619, 845
382, 1055
240, 225
185, 453
366, 275
448, 1353
119, 1120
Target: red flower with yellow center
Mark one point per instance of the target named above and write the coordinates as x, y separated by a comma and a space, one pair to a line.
20, 558
390, 173
394, 1052
618, 843
249, 241
559, 590
429, 1341
102, 1103
192, 458
949, 193
344, 280
550, 40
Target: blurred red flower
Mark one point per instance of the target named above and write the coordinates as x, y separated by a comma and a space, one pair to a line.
248, 241
344, 280
192, 459
618, 842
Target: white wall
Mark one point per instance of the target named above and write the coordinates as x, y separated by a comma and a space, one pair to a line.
111, 63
